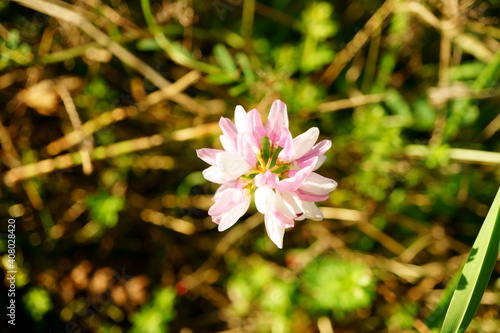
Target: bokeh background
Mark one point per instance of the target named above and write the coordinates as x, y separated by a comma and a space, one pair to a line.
104, 103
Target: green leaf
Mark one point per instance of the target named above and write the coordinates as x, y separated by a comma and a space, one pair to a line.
488, 75
398, 105
104, 208
276, 153
220, 79
435, 320
147, 44
37, 302
466, 71
238, 89
475, 274
224, 58
425, 115
191, 180
154, 316
266, 148
13, 39
244, 62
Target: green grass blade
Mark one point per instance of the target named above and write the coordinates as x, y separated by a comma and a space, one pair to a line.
224, 58
489, 75
475, 274
435, 320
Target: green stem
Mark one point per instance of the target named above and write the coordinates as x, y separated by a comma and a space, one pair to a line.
148, 14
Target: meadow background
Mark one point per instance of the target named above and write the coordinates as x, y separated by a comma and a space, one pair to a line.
105, 102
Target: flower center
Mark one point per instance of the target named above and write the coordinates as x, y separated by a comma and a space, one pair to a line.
267, 159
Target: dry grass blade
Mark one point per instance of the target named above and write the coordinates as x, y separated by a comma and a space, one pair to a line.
73, 138
457, 154
86, 145
357, 42
60, 12
69, 160
171, 90
352, 102
193, 280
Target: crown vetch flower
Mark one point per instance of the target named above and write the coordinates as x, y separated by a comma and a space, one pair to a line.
267, 162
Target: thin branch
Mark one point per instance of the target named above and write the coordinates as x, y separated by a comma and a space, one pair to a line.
69, 160
352, 102
457, 154
357, 42
91, 126
94, 125
86, 145
61, 12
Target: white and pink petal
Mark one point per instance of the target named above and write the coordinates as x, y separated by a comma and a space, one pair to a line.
282, 205
317, 150
311, 211
256, 128
303, 143
294, 201
274, 229
311, 197
264, 199
245, 148
321, 160
231, 165
266, 179
214, 175
285, 142
240, 119
318, 185
277, 120
208, 155
294, 182
235, 213
222, 204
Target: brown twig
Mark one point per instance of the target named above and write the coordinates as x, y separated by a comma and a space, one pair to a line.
352, 102
105, 119
158, 218
457, 154
59, 10
360, 220
69, 160
91, 126
11, 155
86, 143
195, 279
357, 42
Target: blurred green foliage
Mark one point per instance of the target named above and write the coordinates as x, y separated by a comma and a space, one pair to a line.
13, 51
338, 286
255, 286
37, 302
154, 316
104, 208
326, 286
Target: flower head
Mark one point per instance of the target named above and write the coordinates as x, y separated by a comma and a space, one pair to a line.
267, 162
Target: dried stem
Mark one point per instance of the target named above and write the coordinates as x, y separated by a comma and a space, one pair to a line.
351, 102
69, 160
86, 145
357, 42
56, 9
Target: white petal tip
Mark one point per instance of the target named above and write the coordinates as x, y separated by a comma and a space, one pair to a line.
264, 199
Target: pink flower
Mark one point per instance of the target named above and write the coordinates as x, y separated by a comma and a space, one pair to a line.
268, 163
